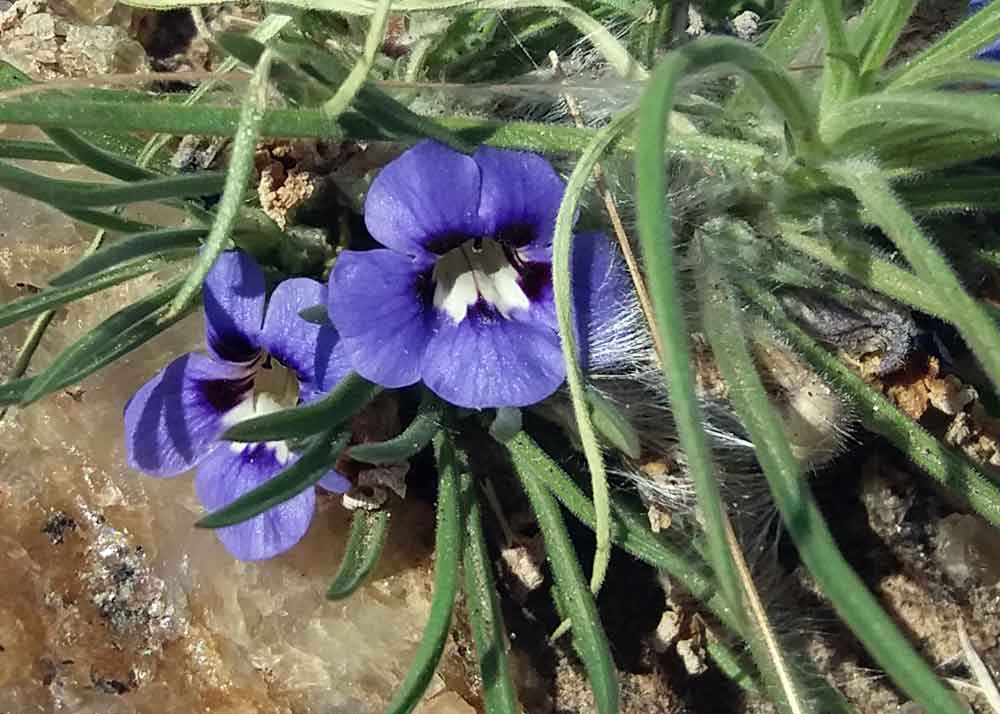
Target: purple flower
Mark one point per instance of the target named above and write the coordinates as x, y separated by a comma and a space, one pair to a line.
991, 51
174, 421
461, 295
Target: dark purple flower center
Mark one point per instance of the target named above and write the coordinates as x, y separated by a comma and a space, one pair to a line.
484, 273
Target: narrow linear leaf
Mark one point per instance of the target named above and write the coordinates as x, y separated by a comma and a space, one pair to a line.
485, 617
33, 151
562, 288
364, 546
236, 180
974, 323
61, 294
577, 601
612, 424
629, 528
878, 30
347, 399
956, 71
305, 123
121, 333
149, 245
107, 221
840, 70
872, 117
447, 547
786, 689
803, 519
97, 158
657, 243
314, 463
410, 442
975, 32
359, 72
948, 467
81, 194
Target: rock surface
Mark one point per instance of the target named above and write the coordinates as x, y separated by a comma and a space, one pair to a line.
113, 603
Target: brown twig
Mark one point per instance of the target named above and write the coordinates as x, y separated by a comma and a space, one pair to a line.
616, 222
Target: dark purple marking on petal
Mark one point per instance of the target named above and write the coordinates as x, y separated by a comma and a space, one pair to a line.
234, 297
314, 352
487, 360
174, 419
226, 474
424, 198
521, 193
380, 303
535, 279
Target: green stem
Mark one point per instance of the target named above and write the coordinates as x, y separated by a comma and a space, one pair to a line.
562, 246
359, 72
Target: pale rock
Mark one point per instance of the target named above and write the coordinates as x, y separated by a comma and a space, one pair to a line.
113, 603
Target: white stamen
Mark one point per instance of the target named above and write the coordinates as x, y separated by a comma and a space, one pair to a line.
470, 272
255, 406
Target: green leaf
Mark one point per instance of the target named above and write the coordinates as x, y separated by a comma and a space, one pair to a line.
107, 221
410, 442
486, 617
961, 42
629, 528
876, 34
868, 121
314, 463
803, 519
141, 246
304, 123
121, 333
612, 424
577, 601
956, 71
65, 292
33, 151
873, 192
656, 240
947, 466
236, 180
447, 546
97, 158
347, 399
82, 194
364, 546
951, 193
562, 288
